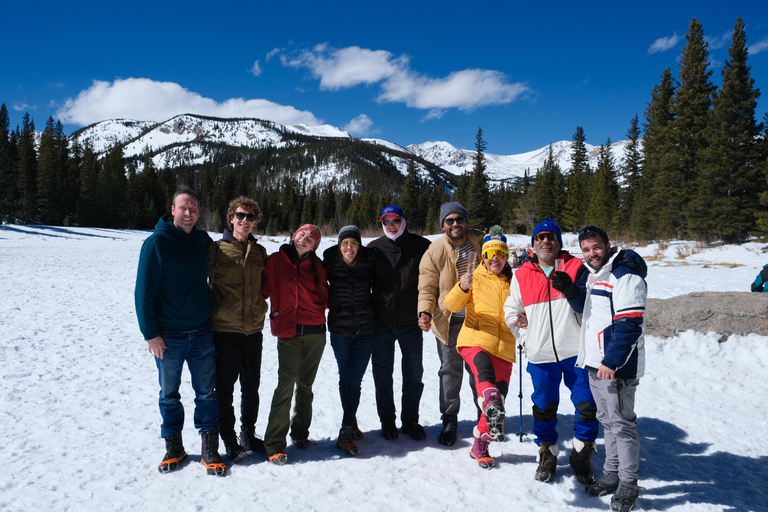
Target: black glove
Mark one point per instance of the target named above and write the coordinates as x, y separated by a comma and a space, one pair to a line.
563, 283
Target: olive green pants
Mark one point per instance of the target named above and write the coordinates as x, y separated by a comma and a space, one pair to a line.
298, 359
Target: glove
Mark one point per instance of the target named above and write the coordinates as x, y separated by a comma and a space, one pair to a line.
563, 283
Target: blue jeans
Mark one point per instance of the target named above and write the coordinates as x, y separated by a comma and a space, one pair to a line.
352, 356
197, 349
383, 362
546, 398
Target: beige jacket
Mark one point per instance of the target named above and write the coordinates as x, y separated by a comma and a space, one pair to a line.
437, 276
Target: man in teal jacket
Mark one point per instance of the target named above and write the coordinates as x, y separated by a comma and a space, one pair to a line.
173, 309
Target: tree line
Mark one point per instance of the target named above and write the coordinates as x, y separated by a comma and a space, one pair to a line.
696, 167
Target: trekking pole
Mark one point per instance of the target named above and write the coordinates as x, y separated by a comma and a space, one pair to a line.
520, 393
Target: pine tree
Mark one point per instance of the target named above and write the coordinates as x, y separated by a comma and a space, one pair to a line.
112, 188
631, 169
51, 174
549, 190
577, 183
727, 187
603, 210
691, 105
479, 203
88, 203
26, 166
7, 176
410, 200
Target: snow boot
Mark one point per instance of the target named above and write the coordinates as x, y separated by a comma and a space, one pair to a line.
606, 485
357, 434
547, 462
625, 497
415, 430
346, 441
492, 405
479, 450
279, 459
174, 454
250, 442
579, 460
301, 444
235, 452
389, 431
210, 453
450, 424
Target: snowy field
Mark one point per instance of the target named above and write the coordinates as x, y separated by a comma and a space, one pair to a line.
79, 423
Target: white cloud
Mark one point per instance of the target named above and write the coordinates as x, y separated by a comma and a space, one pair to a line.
23, 106
715, 43
271, 54
360, 126
348, 67
758, 46
663, 44
147, 100
255, 69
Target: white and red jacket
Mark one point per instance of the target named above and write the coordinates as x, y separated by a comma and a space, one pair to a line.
553, 326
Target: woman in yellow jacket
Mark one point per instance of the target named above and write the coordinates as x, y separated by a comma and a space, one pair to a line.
485, 342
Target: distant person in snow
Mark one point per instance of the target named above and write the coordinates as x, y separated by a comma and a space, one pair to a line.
760, 280
294, 281
173, 309
541, 315
238, 308
352, 323
395, 298
448, 258
611, 290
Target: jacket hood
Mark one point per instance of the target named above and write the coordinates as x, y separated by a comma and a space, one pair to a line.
165, 225
623, 258
227, 236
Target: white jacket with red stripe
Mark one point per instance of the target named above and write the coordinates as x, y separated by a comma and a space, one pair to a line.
553, 326
614, 315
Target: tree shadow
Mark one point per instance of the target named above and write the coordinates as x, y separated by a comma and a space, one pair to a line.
55, 232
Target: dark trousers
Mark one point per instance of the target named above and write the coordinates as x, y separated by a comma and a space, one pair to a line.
383, 362
352, 356
238, 355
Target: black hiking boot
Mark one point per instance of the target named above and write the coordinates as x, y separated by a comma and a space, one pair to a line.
606, 485
625, 497
415, 430
235, 452
580, 461
250, 442
210, 453
448, 435
547, 462
389, 431
346, 441
174, 454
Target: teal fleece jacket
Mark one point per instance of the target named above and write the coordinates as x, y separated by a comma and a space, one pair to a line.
172, 292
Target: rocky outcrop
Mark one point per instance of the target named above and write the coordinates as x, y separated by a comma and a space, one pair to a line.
721, 312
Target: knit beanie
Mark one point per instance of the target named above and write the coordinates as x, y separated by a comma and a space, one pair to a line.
350, 232
452, 207
548, 225
312, 230
495, 240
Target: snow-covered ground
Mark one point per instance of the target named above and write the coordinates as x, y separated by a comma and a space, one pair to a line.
79, 424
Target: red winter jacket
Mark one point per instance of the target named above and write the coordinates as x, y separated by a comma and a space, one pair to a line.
295, 297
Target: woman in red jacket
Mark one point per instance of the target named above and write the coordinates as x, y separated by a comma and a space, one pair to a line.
295, 282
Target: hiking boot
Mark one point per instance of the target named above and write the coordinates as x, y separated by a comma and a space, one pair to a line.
479, 450
235, 452
210, 453
606, 485
357, 434
389, 431
448, 435
174, 454
492, 406
250, 442
301, 444
279, 459
625, 496
579, 460
547, 462
346, 441
415, 430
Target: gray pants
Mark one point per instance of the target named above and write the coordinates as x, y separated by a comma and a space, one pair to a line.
615, 401
451, 369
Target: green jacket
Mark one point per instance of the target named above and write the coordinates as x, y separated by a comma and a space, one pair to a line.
237, 302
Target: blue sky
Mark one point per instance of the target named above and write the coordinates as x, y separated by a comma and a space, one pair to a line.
408, 72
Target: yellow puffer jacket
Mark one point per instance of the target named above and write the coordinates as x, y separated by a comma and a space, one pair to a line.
484, 325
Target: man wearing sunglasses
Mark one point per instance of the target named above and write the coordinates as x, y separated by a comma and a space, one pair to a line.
447, 259
536, 311
612, 292
395, 297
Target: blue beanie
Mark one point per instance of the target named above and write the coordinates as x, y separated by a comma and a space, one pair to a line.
548, 225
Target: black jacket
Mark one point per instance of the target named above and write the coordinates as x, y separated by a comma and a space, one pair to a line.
396, 281
351, 310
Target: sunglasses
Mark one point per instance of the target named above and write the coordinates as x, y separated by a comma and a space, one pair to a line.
247, 216
495, 253
588, 231
540, 237
458, 220
396, 221
347, 243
